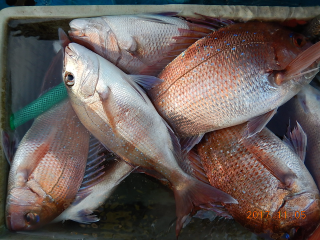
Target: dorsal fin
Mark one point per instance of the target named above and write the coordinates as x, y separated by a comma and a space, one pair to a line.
63, 38
297, 141
256, 124
53, 75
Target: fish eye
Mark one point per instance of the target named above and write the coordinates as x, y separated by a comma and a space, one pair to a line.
32, 218
285, 236
69, 79
299, 40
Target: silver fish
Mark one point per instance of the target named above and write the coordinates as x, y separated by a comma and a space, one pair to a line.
137, 44
119, 114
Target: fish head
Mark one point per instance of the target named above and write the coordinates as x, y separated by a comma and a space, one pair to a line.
96, 35
287, 45
26, 210
87, 32
81, 71
293, 57
298, 216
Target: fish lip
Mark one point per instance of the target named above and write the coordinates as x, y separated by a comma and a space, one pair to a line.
75, 33
309, 211
291, 197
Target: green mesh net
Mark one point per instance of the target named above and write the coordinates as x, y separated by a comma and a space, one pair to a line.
40, 105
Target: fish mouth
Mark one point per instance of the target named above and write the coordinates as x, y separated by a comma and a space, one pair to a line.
302, 215
77, 34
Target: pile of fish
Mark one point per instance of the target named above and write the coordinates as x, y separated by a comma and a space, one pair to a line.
186, 101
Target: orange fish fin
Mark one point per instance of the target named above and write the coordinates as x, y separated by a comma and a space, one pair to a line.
300, 63
194, 167
283, 173
256, 124
297, 141
278, 169
194, 194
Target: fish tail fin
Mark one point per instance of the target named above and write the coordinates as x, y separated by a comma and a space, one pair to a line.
194, 193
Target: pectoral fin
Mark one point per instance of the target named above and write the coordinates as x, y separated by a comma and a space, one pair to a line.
300, 63
256, 124
139, 91
108, 104
147, 82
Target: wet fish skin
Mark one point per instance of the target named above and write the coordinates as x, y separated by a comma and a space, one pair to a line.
235, 166
119, 114
228, 78
137, 44
305, 108
47, 169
